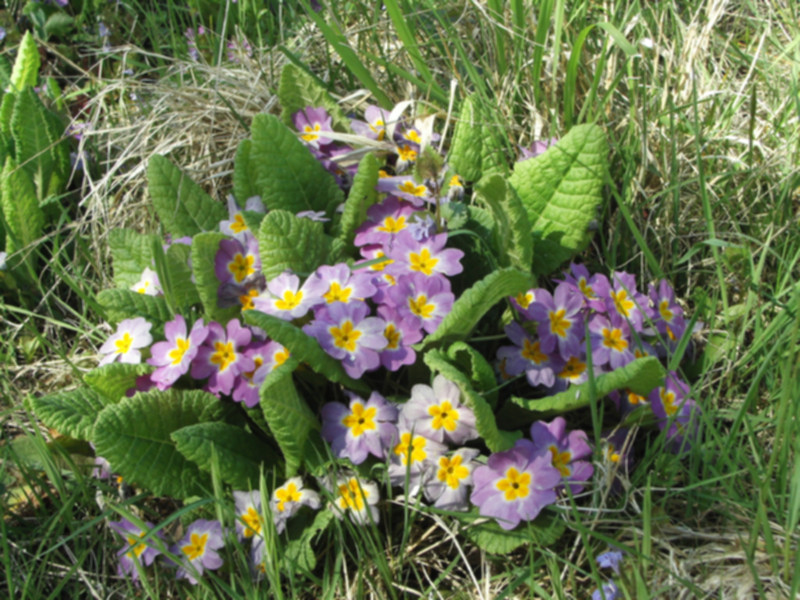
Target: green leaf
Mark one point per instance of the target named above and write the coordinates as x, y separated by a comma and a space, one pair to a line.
561, 191
183, 290
362, 195
241, 455
298, 90
127, 304
131, 253
512, 229
204, 250
495, 439
289, 418
23, 218
543, 531
58, 24
71, 413
289, 242
287, 176
182, 205
113, 380
26, 66
640, 376
481, 373
476, 301
300, 553
244, 173
465, 150
6, 110
135, 437
303, 349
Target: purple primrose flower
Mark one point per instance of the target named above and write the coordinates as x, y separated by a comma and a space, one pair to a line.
174, 356
438, 414
125, 342
198, 549
566, 451
136, 549
360, 429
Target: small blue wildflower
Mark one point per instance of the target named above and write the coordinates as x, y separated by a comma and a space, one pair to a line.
610, 560
608, 591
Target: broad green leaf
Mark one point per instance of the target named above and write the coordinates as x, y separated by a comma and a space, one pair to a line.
204, 250
362, 195
244, 174
303, 349
640, 376
241, 455
513, 237
465, 150
297, 90
131, 254
481, 373
113, 380
26, 66
24, 219
493, 156
58, 24
71, 413
127, 304
182, 205
300, 553
287, 175
5, 74
543, 531
135, 437
289, 418
6, 110
289, 242
561, 191
495, 439
476, 301
184, 291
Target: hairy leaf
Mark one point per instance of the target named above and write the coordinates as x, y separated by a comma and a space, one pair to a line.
495, 439
184, 291
127, 304
362, 195
244, 174
135, 437
289, 242
71, 413
287, 175
542, 531
113, 380
561, 191
465, 150
640, 376
23, 217
513, 237
297, 90
6, 110
241, 455
204, 250
26, 66
131, 253
182, 205
300, 553
481, 373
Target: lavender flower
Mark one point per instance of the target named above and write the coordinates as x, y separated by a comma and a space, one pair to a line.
608, 591
125, 342
174, 356
221, 357
428, 256
560, 319
438, 414
287, 500
360, 429
610, 560
338, 283
566, 451
311, 123
354, 497
248, 514
198, 549
413, 458
284, 298
423, 301
448, 484
136, 551
235, 262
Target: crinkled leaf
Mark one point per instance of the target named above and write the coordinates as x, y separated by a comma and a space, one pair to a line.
58, 24
561, 191
287, 176
182, 205
289, 418
24, 218
362, 195
289, 242
71, 413
6, 110
26, 66
204, 251
128, 304
481, 373
135, 437
300, 553
241, 455
465, 150
303, 349
640, 376
542, 531
476, 301
244, 174
113, 380
297, 90
513, 237
131, 254
183, 290
493, 155
495, 439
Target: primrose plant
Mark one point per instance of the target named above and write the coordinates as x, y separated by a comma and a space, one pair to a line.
362, 316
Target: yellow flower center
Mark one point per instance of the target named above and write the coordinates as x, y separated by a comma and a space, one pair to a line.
612, 338
411, 448
444, 415
422, 262
612, 454
337, 294
409, 187
257, 362
241, 267
289, 301
421, 307
360, 419
290, 493
137, 546
224, 355
668, 400
573, 369
622, 303
176, 354
559, 324
352, 495
451, 471
124, 345
392, 225
345, 336
524, 300
455, 181
252, 521
392, 336
412, 135
515, 485
664, 311
196, 546
143, 289
311, 133
378, 127
561, 460
634, 398
281, 356
586, 289
238, 225
246, 299
380, 266
531, 351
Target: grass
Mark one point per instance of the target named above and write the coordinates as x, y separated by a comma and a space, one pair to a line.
701, 104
